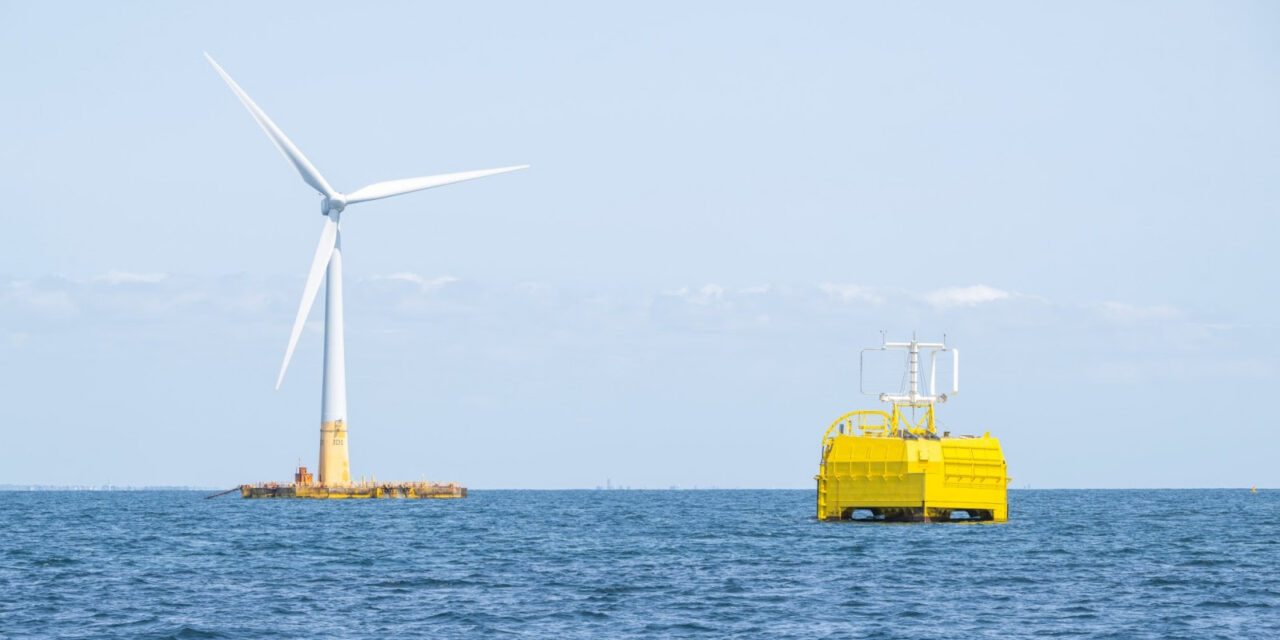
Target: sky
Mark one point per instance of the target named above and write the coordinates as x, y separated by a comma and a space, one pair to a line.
728, 201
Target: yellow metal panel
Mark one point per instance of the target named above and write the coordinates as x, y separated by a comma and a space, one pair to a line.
923, 476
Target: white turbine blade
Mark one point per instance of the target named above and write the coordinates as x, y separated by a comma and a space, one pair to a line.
277, 136
324, 250
396, 187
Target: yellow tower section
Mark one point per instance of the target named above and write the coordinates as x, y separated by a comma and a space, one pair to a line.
888, 466
335, 462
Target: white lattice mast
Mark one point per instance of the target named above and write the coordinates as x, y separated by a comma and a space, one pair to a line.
913, 395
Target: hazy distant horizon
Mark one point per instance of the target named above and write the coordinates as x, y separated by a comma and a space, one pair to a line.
107, 488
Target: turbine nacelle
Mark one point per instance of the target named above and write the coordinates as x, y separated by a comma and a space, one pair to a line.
333, 204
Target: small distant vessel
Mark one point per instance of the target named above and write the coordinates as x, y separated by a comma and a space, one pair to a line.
896, 467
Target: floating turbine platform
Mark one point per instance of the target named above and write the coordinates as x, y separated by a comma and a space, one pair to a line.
303, 486
334, 470
889, 466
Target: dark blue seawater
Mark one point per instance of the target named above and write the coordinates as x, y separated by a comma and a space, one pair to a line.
617, 564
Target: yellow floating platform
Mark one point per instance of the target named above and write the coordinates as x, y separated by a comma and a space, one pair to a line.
900, 475
358, 491
891, 467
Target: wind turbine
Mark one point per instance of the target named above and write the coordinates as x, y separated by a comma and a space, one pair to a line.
335, 467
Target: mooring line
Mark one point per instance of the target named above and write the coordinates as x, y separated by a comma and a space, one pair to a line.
223, 493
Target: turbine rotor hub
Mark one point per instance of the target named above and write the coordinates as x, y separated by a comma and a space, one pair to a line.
333, 205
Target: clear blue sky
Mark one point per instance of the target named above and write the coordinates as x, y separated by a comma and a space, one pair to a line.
728, 200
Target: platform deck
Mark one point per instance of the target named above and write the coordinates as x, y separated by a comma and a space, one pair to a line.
356, 491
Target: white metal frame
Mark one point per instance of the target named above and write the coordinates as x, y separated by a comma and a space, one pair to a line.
913, 395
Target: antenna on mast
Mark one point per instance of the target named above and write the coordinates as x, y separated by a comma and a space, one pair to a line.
912, 394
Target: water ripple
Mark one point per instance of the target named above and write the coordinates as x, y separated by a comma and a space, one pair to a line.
630, 564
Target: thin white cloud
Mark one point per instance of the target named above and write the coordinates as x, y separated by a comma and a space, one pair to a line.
125, 277
251, 302
964, 296
756, 290
1117, 372
1225, 326
851, 292
1124, 312
536, 288
29, 297
416, 279
1199, 367
710, 293
706, 295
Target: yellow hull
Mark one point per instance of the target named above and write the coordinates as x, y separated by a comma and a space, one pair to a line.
913, 478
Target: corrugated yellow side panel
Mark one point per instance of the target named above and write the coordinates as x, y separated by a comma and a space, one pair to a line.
926, 477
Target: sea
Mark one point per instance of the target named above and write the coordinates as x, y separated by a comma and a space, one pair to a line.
635, 564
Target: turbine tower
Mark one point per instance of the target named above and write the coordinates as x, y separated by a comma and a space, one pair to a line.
335, 467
